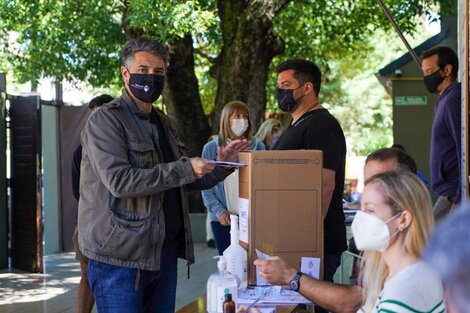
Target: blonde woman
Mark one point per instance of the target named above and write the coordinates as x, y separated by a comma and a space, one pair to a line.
392, 227
234, 124
269, 132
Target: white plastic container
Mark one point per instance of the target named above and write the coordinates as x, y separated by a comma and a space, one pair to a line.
235, 255
218, 285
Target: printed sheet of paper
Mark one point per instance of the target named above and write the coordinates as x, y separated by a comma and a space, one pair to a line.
270, 295
231, 187
243, 219
310, 266
259, 279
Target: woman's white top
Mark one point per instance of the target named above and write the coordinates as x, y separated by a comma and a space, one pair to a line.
416, 288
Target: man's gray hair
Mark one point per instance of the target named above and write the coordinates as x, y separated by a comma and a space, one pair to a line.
448, 251
142, 44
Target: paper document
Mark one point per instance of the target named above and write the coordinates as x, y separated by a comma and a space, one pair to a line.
231, 192
259, 279
310, 266
243, 219
270, 295
227, 164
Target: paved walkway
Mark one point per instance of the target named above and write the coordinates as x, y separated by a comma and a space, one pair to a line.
54, 291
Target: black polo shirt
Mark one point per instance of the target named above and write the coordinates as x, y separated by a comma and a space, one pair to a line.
319, 130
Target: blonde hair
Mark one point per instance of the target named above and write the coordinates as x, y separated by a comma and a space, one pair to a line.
266, 129
227, 111
402, 190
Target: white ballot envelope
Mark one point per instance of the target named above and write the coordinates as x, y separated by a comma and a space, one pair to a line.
231, 192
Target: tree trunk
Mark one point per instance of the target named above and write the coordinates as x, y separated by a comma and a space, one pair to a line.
249, 45
181, 95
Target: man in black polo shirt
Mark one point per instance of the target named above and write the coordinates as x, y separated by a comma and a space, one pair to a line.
313, 127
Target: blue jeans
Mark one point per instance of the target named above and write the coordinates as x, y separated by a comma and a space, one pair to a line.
221, 236
120, 289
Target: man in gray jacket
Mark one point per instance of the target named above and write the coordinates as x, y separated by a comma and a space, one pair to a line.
133, 212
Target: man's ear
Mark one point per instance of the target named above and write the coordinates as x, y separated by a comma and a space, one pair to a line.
311, 88
125, 74
447, 70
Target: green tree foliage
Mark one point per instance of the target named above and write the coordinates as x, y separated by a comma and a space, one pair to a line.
66, 40
355, 45
169, 19
81, 40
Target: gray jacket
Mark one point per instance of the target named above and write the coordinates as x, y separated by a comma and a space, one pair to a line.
123, 179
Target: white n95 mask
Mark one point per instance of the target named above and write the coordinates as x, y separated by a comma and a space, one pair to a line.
370, 232
239, 126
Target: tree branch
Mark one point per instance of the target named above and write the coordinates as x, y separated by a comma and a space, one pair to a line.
205, 55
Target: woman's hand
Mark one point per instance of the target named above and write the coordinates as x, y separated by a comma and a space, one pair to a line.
230, 152
224, 219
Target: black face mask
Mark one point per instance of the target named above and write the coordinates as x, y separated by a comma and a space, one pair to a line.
433, 80
146, 87
285, 99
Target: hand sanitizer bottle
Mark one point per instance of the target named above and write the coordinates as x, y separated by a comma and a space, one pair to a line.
218, 285
235, 255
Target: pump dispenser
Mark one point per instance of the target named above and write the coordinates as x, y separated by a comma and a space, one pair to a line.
235, 255
218, 285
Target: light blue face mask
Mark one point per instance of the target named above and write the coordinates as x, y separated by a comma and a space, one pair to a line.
371, 233
273, 141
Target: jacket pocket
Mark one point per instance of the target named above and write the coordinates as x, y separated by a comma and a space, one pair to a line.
141, 155
128, 239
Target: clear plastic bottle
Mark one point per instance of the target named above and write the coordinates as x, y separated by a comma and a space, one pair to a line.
218, 285
235, 255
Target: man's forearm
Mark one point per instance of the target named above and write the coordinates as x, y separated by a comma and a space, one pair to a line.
330, 296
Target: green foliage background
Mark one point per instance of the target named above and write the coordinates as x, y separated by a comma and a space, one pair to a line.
80, 41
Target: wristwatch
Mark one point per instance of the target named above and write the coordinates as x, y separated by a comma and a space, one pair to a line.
295, 282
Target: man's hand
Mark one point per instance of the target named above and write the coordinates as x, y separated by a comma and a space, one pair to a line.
245, 309
224, 218
230, 152
276, 271
201, 167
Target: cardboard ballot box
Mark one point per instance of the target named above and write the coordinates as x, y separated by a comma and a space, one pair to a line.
280, 205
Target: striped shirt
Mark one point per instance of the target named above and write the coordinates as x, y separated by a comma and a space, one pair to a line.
415, 289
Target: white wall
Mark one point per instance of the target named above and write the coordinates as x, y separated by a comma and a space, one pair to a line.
462, 47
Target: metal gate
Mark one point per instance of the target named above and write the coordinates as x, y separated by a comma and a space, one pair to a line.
26, 219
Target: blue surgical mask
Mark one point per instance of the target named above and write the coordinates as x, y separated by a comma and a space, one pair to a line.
273, 141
